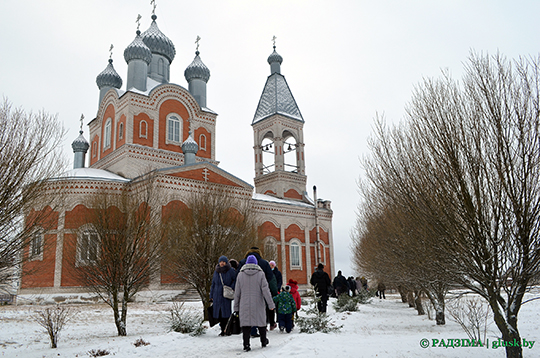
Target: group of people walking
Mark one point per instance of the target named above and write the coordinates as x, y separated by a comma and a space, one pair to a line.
258, 290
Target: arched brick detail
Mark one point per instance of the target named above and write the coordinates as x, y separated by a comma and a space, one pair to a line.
208, 152
121, 141
94, 150
168, 212
137, 138
167, 107
293, 194
40, 273
270, 192
109, 113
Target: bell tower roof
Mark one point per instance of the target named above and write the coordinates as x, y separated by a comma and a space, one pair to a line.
276, 97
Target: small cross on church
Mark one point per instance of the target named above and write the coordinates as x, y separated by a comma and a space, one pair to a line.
153, 3
138, 21
82, 118
274, 40
110, 51
197, 42
206, 173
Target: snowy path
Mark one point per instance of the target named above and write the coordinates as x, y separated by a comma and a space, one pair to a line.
384, 328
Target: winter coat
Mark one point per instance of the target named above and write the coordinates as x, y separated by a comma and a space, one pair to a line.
341, 284
279, 278
220, 303
250, 296
381, 286
296, 295
285, 303
320, 280
265, 266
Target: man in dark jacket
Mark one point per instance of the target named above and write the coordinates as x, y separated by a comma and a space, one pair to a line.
270, 277
340, 284
321, 281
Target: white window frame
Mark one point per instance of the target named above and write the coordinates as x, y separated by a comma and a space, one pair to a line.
201, 138
90, 238
35, 252
271, 241
121, 131
171, 138
295, 243
107, 134
141, 134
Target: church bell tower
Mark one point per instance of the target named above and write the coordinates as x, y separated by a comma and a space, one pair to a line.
279, 138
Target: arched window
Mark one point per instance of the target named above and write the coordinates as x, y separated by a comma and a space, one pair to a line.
270, 249
174, 127
202, 142
94, 149
295, 254
161, 67
36, 245
120, 131
143, 129
87, 247
107, 141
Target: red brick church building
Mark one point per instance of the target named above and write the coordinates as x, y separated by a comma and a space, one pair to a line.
155, 125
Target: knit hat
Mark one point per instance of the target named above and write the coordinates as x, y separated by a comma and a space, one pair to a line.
251, 259
223, 258
320, 266
287, 288
272, 263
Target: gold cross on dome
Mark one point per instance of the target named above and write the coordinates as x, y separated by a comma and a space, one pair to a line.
197, 41
110, 51
138, 21
274, 40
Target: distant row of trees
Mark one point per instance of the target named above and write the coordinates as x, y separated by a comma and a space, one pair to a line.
125, 239
452, 194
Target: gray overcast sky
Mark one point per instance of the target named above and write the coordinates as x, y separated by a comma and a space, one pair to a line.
345, 61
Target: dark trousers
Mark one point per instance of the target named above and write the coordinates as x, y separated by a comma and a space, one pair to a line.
246, 333
382, 295
285, 321
270, 316
223, 322
321, 305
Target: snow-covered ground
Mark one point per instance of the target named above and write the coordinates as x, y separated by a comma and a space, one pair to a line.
384, 328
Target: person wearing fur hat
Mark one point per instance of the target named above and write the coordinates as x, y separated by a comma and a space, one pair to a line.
251, 297
224, 274
285, 308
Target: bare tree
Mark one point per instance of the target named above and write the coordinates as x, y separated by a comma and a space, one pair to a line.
119, 249
53, 321
30, 153
213, 223
466, 166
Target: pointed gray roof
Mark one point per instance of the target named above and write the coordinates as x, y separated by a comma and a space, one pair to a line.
197, 69
157, 42
137, 50
277, 98
109, 77
80, 144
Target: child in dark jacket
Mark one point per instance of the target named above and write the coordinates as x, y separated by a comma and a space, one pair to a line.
285, 306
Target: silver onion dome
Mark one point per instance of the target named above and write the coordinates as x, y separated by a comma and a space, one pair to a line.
197, 69
189, 145
108, 77
275, 57
80, 144
137, 50
157, 42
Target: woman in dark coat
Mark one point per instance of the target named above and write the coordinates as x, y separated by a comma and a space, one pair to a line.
223, 275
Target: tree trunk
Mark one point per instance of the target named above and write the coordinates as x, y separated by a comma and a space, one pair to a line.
410, 299
418, 302
120, 326
402, 293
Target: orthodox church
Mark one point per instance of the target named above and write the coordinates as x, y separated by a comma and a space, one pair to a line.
155, 125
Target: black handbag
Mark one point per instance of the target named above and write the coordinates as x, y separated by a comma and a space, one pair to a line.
210, 312
233, 325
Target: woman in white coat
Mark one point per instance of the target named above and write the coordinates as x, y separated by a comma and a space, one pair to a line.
251, 295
